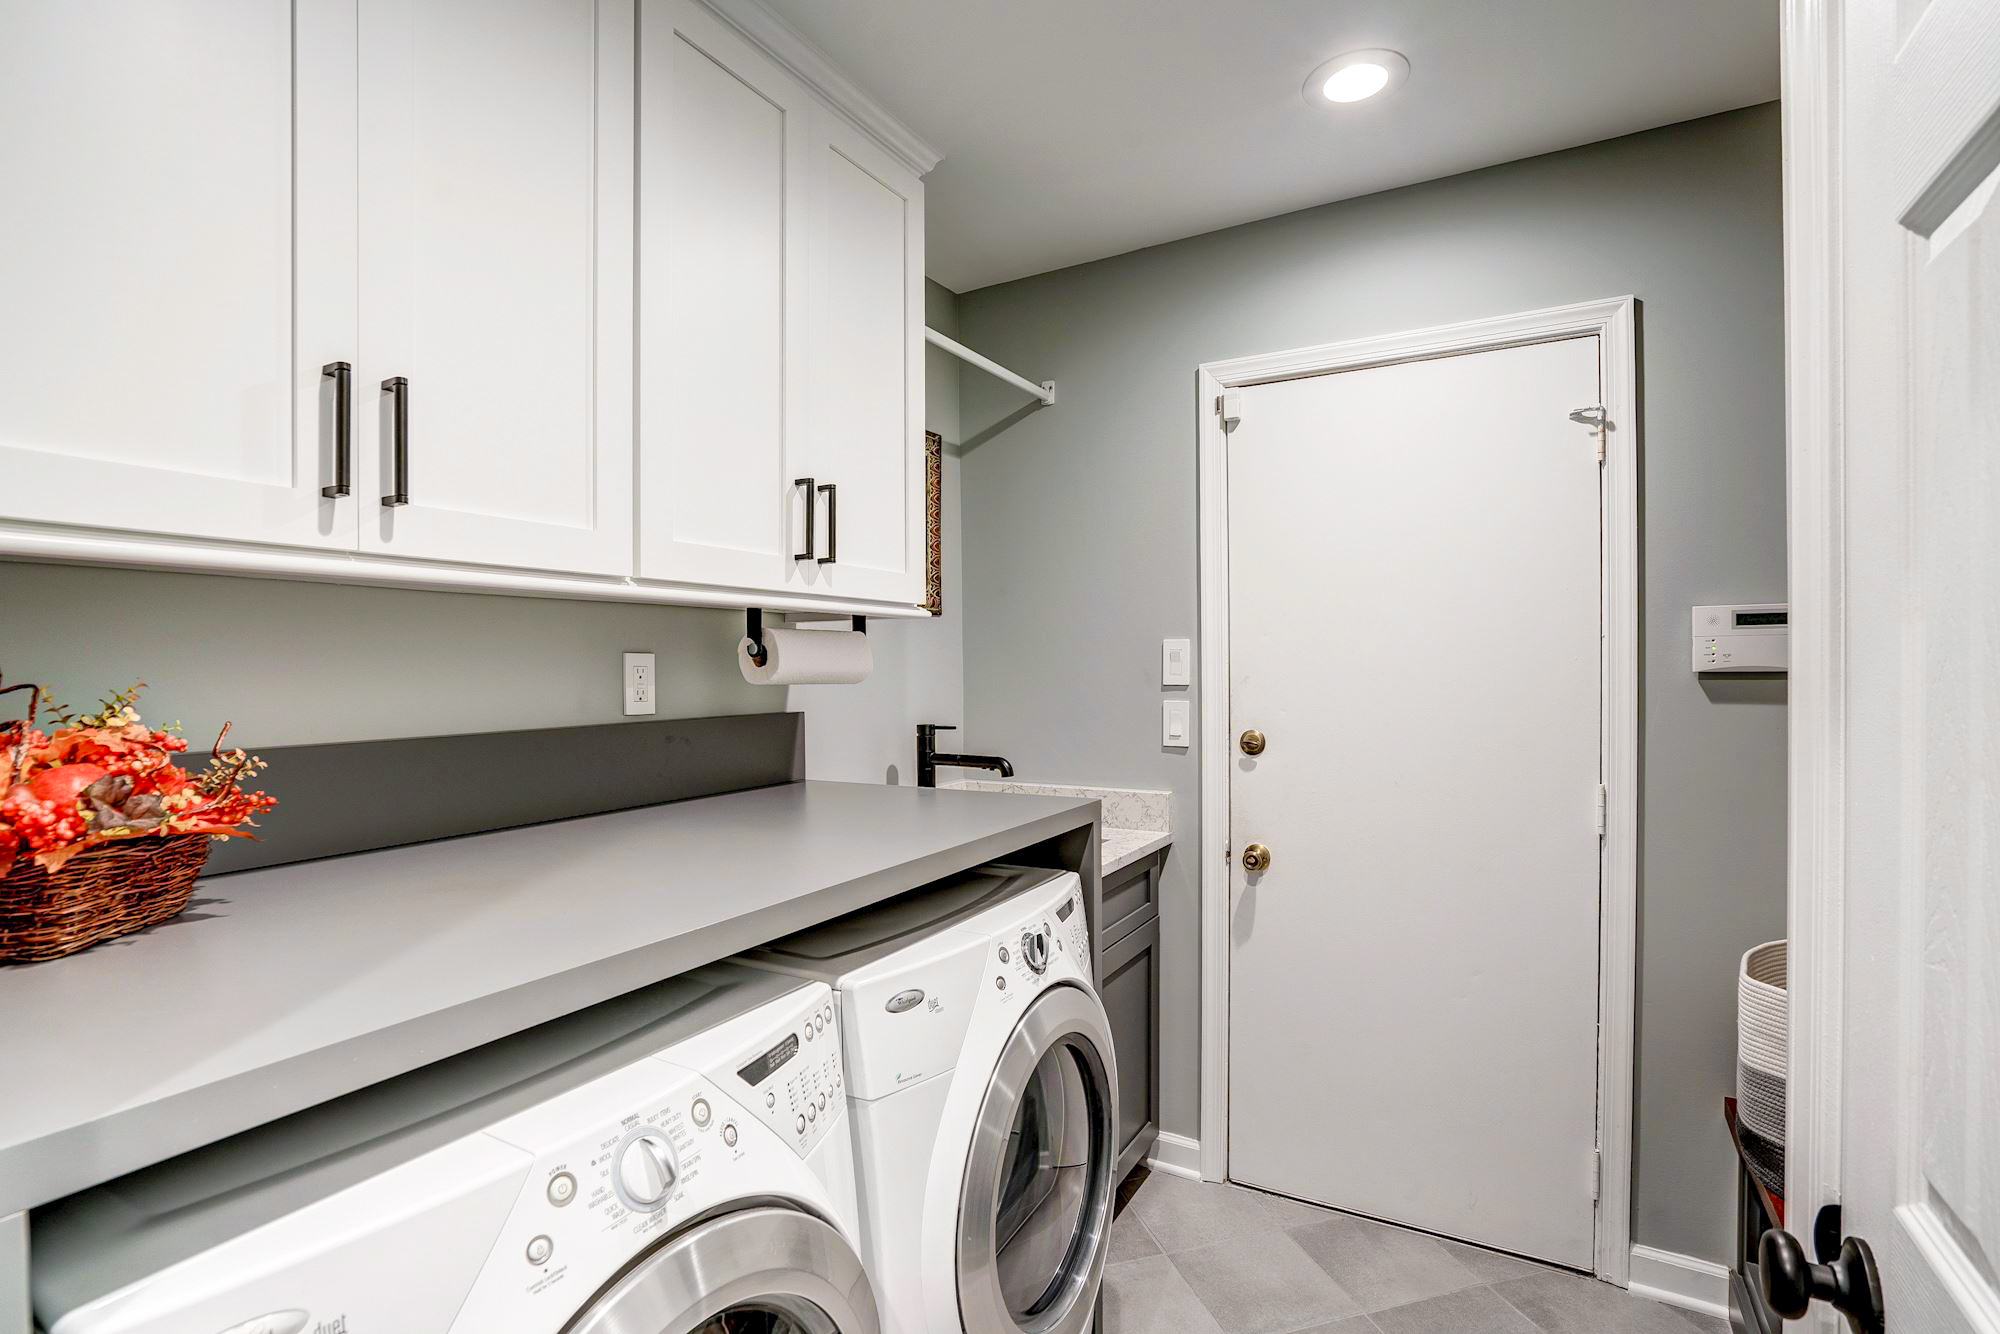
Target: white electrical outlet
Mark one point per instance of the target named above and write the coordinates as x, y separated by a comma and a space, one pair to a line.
1174, 723
638, 683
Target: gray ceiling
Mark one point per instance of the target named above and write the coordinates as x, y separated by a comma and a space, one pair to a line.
1075, 129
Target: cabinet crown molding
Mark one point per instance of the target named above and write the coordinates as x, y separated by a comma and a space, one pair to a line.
791, 48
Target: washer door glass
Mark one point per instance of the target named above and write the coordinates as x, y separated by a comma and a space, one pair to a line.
760, 1270
761, 1319
1045, 1184
1037, 1197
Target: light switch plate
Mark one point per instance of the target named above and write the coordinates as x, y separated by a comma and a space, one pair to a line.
639, 684
1174, 723
1174, 662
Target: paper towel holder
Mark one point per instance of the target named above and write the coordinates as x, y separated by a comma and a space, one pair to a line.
753, 630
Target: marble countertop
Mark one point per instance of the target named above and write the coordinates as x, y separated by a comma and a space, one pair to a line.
1135, 819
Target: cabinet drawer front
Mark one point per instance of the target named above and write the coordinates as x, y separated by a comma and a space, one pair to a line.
723, 137
160, 355
1129, 895
496, 278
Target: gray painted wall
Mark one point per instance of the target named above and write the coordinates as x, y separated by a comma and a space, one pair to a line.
300, 662
1080, 536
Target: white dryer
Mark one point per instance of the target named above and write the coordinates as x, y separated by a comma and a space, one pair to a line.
675, 1160
982, 1090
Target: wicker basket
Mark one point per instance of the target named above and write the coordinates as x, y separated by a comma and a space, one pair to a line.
105, 891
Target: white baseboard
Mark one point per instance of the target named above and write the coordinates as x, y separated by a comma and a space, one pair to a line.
1176, 1155
1680, 1280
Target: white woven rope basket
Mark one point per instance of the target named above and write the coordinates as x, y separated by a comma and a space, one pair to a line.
1761, 1016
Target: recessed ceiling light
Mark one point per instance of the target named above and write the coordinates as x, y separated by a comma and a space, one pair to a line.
1355, 77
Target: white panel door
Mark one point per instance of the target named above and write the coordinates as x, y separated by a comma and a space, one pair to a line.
166, 161
1414, 626
723, 152
1920, 1019
866, 408
496, 280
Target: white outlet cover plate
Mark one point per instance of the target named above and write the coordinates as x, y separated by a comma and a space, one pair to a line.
1174, 723
641, 685
1175, 655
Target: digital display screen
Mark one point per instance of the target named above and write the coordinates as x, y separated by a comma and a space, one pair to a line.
764, 1066
1761, 618
1062, 913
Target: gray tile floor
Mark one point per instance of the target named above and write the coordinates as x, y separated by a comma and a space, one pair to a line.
1194, 1258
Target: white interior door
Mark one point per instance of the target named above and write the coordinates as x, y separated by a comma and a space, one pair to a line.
723, 139
496, 280
176, 265
1414, 627
867, 358
1919, 93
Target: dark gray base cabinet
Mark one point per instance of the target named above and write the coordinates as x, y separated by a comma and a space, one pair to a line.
1128, 980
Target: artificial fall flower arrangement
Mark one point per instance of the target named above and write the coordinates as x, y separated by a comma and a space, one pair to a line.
105, 776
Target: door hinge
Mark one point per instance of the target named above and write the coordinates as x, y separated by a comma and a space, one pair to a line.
1603, 805
1229, 407
1596, 1175
1593, 417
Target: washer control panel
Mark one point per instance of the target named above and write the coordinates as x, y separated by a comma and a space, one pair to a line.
1058, 936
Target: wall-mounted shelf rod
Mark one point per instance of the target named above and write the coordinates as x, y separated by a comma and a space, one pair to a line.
1045, 391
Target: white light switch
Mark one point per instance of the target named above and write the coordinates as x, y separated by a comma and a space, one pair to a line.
638, 683
1174, 722
1174, 655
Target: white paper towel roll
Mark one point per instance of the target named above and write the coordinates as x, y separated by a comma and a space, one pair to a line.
808, 658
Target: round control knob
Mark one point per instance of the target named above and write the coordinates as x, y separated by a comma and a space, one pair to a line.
646, 1170
1035, 950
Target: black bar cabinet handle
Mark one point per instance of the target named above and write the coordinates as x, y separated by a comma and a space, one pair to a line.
832, 524
807, 484
399, 389
343, 427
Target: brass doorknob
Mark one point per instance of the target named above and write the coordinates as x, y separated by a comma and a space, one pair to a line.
1252, 742
1256, 857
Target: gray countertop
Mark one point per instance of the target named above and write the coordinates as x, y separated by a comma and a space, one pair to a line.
281, 988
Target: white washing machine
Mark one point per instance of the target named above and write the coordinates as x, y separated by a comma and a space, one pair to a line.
982, 1088
675, 1160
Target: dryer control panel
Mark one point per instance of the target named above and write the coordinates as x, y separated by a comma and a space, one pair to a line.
796, 1083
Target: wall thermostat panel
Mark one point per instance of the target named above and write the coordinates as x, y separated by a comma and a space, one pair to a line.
1745, 637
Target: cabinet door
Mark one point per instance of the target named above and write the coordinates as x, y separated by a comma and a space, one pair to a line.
1129, 985
866, 410
496, 280
160, 355
723, 139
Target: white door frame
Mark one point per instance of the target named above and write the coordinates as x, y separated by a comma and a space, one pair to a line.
1815, 503
1613, 321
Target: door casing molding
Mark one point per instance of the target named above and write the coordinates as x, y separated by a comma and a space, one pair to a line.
1614, 323
1815, 504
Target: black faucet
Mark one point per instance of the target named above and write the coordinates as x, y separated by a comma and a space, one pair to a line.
928, 758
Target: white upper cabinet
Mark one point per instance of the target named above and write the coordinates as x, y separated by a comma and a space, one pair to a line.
166, 163
865, 410
780, 320
723, 140
496, 281
564, 297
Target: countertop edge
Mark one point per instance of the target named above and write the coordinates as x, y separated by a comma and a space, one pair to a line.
1150, 846
34, 1171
